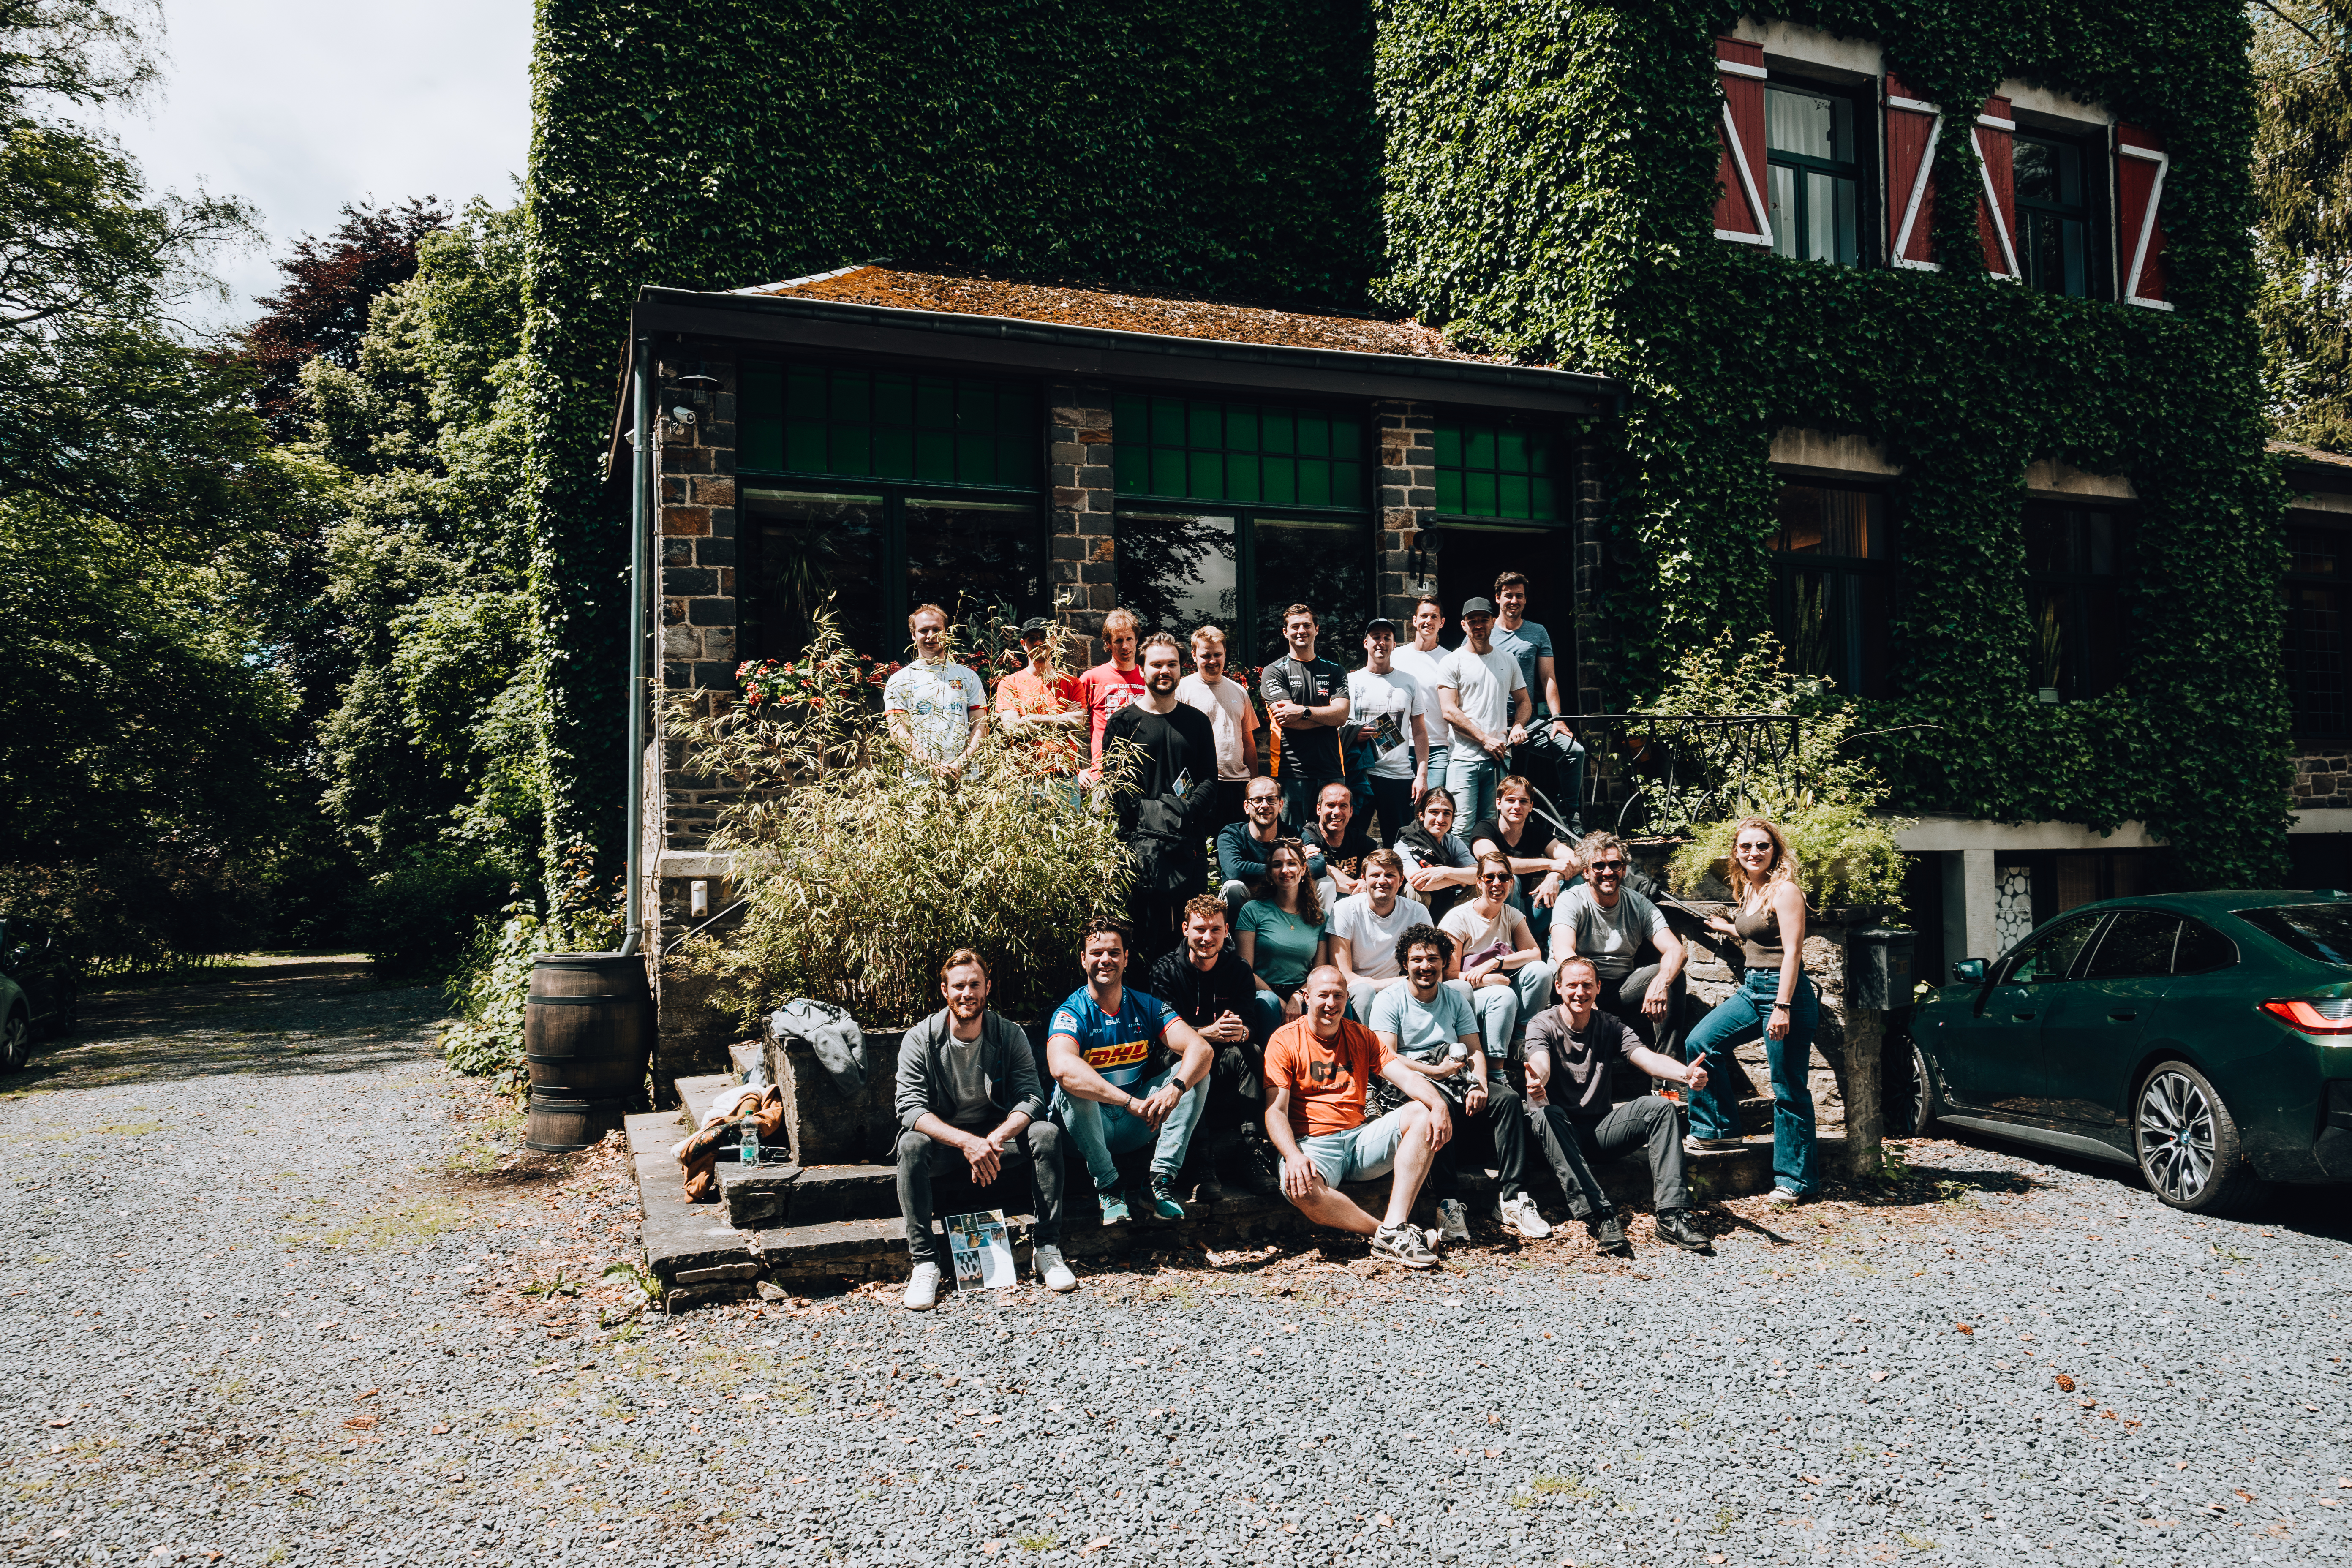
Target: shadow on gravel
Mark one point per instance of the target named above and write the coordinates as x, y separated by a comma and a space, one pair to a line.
298, 1015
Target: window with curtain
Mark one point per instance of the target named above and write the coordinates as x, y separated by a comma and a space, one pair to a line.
2314, 654
2075, 564
1815, 174
2054, 215
1835, 586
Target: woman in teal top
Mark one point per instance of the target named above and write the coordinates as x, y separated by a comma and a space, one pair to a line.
1280, 931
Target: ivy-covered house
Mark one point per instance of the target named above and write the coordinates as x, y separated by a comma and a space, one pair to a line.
1917, 333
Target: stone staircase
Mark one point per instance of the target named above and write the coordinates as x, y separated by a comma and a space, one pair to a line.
786, 1225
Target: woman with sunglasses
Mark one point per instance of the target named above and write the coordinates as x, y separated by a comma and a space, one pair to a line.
1774, 1000
1281, 929
1495, 958
1635, 955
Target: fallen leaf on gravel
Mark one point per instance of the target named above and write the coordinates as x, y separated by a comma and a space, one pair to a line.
1493, 1453
1383, 1519
1096, 1544
1964, 1328
1878, 1377
365, 1394
361, 1423
2065, 1384
2243, 1493
67, 1422
988, 1548
438, 1430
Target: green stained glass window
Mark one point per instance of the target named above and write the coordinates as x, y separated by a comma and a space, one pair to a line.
887, 424
1200, 448
1496, 470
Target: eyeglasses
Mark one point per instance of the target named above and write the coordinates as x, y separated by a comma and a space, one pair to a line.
1615, 868
1494, 876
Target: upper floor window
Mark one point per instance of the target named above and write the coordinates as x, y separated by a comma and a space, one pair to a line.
2074, 561
1496, 469
1835, 586
1207, 448
2314, 654
2054, 215
805, 419
1814, 175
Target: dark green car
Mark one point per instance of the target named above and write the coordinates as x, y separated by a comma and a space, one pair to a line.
2206, 1038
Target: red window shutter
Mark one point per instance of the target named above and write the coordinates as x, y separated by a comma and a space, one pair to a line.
1740, 210
1913, 127
2140, 165
1997, 211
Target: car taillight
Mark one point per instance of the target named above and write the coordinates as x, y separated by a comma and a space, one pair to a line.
2312, 1015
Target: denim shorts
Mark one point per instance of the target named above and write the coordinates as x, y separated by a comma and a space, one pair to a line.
1363, 1152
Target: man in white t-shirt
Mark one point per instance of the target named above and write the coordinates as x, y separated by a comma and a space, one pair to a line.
1364, 928
1232, 719
1395, 713
1486, 707
1419, 659
936, 708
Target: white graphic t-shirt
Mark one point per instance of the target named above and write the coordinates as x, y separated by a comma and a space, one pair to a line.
1385, 706
937, 701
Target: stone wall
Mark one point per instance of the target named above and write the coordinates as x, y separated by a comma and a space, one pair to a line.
1408, 494
2322, 779
1085, 544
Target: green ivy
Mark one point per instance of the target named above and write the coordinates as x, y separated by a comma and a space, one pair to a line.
1186, 144
1550, 177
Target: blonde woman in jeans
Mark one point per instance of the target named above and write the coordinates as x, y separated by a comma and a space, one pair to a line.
1775, 999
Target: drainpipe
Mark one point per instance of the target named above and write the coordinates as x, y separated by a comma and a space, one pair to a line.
641, 486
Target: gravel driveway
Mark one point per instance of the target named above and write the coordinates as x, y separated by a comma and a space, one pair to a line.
263, 1264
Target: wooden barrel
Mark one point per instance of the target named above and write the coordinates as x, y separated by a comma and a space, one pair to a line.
587, 1028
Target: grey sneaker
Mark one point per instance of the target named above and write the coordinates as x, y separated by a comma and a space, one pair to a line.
923, 1288
1521, 1214
1051, 1270
1452, 1219
1402, 1243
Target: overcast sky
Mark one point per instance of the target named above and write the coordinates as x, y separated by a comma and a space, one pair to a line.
300, 106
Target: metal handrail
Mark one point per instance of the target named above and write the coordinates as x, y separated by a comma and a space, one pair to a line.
1653, 775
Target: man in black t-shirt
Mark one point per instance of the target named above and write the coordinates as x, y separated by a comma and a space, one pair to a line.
1336, 846
1572, 1056
1307, 700
1544, 861
1171, 803
1212, 989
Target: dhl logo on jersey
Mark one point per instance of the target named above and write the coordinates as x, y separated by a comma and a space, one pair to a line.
1121, 1054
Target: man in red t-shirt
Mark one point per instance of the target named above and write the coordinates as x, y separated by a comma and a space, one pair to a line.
1042, 704
1318, 1067
1115, 682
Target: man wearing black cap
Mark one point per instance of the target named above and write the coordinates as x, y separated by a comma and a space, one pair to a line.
1487, 708
1393, 712
1042, 704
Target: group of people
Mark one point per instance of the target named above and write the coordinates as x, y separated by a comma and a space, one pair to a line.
1370, 974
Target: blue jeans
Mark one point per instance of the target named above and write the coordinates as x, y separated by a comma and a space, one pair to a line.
1099, 1132
1504, 1012
1470, 778
1737, 1019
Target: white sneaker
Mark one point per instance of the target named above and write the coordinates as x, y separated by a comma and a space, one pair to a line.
1521, 1214
1785, 1198
1452, 1221
1054, 1271
923, 1288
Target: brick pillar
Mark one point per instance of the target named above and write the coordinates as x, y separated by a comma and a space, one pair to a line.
1590, 565
1085, 549
1407, 500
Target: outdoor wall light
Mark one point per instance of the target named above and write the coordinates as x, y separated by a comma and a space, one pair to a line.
698, 898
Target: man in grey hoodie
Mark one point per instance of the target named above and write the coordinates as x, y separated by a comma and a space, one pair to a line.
968, 1091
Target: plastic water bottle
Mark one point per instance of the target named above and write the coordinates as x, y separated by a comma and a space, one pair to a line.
750, 1141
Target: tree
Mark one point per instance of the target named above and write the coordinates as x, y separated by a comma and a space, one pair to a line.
322, 311
2302, 176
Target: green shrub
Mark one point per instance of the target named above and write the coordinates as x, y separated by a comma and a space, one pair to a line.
417, 919
137, 912
860, 878
1845, 856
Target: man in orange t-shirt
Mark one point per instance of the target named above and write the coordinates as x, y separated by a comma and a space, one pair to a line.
1318, 1069
1114, 682
1039, 702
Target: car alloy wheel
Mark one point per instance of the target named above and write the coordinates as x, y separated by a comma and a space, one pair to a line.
15, 1042
2189, 1145
2175, 1136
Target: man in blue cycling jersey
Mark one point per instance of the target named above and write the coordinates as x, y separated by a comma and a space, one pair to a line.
1108, 1047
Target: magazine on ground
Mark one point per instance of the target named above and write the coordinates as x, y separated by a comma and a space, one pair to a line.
982, 1250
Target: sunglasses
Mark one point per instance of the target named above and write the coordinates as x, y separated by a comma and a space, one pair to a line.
1617, 866
1494, 876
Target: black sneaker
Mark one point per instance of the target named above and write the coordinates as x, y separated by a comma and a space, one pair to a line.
1675, 1226
1607, 1235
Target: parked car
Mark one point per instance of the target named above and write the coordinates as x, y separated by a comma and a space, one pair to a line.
2206, 1038
40, 989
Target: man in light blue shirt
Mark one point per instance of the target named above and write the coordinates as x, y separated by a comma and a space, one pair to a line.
1429, 1026
1548, 734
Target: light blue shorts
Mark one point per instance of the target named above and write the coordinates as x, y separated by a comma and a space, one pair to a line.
1361, 1152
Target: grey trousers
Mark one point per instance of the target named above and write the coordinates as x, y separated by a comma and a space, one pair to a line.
922, 1161
1572, 1142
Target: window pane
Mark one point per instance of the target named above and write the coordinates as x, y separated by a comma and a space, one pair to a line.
2050, 627
971, 557
2313, 658
804, 418
1178, 570
807, 546
2035, 166
1210, 449
1487, 470
2138, 942
1782, 200
1820, 217
1799, 122
2051, 956
2313, 551
2202, 950
1326, 564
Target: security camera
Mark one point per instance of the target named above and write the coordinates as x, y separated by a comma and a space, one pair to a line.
682, 414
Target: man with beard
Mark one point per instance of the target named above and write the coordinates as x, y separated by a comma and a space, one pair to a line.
1164, 812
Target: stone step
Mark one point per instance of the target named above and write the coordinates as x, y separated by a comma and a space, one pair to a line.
690, 1246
